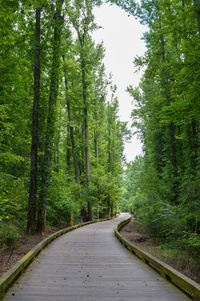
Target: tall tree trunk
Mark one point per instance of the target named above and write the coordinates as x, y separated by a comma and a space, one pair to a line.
71, 130
68, 151
87, 162
168, 101
171, 125
194, 127
82, 152
57, 142
48, 147
96, 146
194, 148
97, 162
109, 140
31, 218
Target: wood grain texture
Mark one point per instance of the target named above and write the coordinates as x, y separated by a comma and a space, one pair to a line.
187, 285
89, 264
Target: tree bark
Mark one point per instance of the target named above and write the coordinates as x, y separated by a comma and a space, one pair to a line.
71, 131
109, 139
96, 146
87, 162
57, 142
82, 152
168, 101
31, 218
48, 147
68, 151
194, 146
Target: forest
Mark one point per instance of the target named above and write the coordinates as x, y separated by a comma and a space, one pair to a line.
62, 142
61, 138
162, 187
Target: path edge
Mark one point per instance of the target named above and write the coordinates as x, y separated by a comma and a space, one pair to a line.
184, 283
13, 273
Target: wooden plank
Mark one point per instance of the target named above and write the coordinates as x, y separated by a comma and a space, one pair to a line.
11, 275
186, 284
89, 264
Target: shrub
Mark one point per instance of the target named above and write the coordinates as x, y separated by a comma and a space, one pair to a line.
9, 236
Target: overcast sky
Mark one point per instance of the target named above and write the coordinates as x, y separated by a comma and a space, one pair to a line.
122, 39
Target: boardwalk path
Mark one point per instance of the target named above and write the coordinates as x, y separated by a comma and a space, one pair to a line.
89, 264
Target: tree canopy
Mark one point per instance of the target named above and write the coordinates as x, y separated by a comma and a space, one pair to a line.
61, 138
61, 142
162, 187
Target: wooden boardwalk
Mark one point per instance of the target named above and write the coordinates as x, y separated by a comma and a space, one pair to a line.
89, 264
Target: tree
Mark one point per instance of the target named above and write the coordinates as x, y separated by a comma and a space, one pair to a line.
70, 126
81, 17
31, 219
167, 120
48, 146
68, 158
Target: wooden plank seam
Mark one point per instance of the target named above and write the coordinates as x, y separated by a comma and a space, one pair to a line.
184, 283
12, 274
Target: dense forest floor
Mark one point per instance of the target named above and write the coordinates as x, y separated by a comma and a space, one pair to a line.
8, 257
180, 260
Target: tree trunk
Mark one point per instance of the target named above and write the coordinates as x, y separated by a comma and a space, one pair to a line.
109, 140
48, 147
57, 142
194, 146
87, 162
68, 151
82, 152
85, 125
71, 131
97, 162
168, 101
31, 218
96, 146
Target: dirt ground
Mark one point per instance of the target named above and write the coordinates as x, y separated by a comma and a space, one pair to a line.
9, 257
181, 261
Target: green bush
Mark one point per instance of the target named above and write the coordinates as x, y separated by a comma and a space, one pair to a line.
191, 243
9, 236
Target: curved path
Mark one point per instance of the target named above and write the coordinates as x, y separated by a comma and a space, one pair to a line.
89, 264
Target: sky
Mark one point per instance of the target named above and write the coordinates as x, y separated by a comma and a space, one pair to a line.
121, 36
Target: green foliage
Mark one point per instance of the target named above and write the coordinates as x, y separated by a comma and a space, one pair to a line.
162, 187
191, 242
62, 194
9, 235
63, 200
177, 225
13, 200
